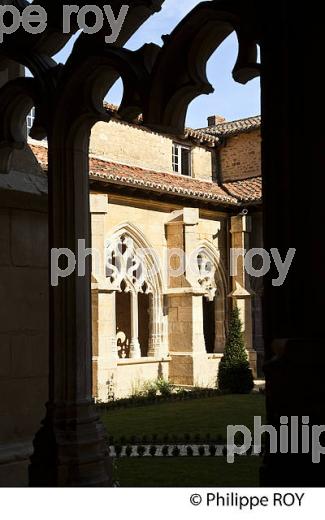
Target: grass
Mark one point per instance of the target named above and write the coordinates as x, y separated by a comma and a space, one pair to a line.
201, 416
188, 472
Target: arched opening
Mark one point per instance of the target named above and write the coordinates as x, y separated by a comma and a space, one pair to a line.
231, 100
123, 324
212, 281
144, 305
209, 325
134, 279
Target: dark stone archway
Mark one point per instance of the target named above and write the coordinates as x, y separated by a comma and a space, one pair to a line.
70, 447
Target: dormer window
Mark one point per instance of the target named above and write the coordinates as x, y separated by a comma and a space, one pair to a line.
182, 159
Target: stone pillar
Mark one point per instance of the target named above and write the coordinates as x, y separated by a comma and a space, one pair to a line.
107, 344
135, 350
292, 104
220, 332
185, 314
70, 448
241, 293
156, 327
197, 324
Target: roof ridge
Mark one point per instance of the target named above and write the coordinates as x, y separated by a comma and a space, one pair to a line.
257, 116
230, 122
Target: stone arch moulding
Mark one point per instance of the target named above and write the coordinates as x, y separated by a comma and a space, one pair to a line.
212, 254
186, 52
70, 102
216, 291
140, 241
152, 278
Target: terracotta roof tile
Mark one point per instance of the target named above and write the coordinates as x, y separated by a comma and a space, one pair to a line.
231, 193
157, 181
248, 190
40, 153
234, 127
115, 173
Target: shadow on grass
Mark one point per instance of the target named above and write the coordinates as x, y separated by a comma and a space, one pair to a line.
188, 472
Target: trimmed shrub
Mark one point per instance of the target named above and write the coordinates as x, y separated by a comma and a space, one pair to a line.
118, 450
235, 375
212, 450
141, 451
165, 450
189, 451
128, 451
201, 451
153, 450
176, 451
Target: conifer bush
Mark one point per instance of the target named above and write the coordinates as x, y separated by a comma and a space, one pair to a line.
235, 375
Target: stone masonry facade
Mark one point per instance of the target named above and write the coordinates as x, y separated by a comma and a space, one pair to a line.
170, 327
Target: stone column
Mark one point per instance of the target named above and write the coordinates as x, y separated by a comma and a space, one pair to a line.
241, 293
135, 350
156, 325
107, 344
70, 448
292, 104
198, 340
220, 332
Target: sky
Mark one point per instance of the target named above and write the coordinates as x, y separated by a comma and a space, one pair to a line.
230, 99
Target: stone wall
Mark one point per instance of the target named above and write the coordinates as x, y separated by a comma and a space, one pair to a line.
132, 375
240, 156
202, 163
23, 322
162, 227
135, 146
122, 143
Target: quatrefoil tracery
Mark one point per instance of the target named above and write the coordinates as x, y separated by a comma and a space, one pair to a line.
126, 267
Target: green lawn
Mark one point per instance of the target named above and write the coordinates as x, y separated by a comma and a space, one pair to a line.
201, 416
187, 472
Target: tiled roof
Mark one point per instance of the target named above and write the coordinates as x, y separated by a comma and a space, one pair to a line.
163, 182
40, 152
107, 172
234, 127
248, 190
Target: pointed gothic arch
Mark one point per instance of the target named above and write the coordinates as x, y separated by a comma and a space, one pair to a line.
132, 266
212, 279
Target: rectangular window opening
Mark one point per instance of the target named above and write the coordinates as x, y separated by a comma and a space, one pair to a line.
182, 160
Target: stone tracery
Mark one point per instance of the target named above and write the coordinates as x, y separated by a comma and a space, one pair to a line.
131, 267
56, 96
68, 101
